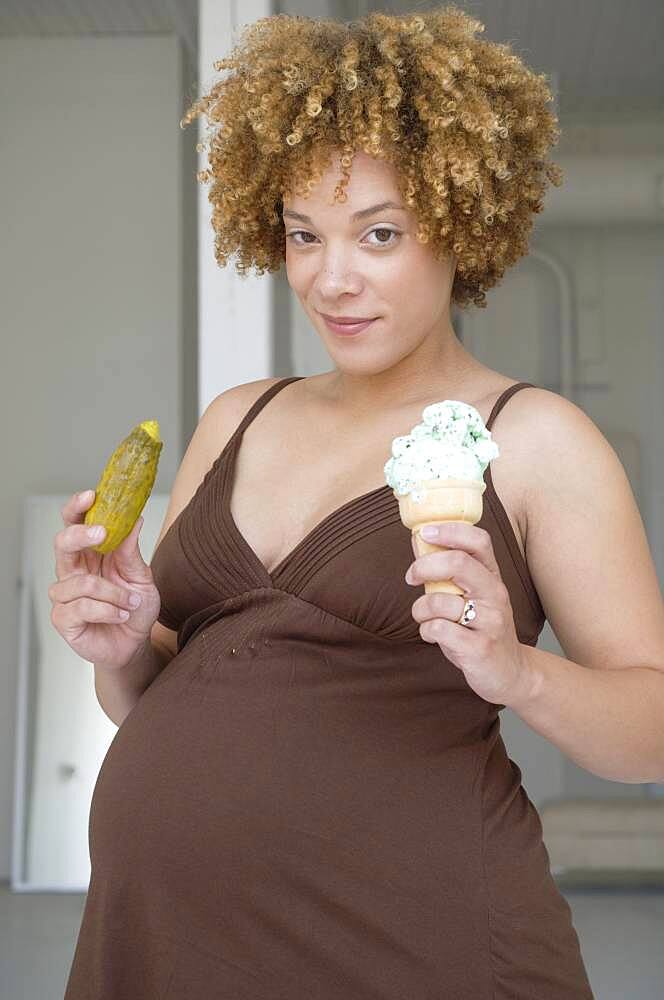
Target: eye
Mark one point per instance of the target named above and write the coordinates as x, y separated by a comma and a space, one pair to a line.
297, 232
393, 232
377, 229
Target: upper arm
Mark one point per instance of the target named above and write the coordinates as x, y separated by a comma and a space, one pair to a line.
214, 428
586, 545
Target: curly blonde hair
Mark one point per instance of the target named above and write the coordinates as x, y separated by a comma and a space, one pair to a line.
463, 121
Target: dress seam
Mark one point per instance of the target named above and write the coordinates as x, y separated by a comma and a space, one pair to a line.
479, 776
279, 590
330, 614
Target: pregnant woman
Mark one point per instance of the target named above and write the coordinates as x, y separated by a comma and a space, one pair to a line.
308, 796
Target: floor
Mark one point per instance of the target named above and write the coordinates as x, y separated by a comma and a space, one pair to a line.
621, 933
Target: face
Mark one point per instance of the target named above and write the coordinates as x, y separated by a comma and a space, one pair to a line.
371, 266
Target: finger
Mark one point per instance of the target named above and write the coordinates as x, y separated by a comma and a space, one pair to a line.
429, 608
438, 605
128, 557
71, 541
88, 585
74, 510
67, 549
468, 537
85, 611
456, 641
458, 566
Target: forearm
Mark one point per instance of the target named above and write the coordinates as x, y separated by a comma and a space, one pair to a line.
609, 722
118, 690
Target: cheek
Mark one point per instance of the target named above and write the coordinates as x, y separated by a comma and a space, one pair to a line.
295, 272
405, 282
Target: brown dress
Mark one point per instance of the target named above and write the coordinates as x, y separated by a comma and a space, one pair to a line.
310, 802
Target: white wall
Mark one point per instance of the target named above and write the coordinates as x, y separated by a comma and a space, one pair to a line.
91, 285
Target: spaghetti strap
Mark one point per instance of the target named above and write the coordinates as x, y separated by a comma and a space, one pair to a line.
262, 400
254, 409
504, 397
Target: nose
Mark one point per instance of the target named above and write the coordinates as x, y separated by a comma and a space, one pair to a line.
334, 280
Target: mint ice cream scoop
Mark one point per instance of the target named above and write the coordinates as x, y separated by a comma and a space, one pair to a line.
451, 442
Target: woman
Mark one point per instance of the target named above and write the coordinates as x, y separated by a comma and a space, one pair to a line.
308, 795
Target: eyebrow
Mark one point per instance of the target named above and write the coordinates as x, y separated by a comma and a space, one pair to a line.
356, 215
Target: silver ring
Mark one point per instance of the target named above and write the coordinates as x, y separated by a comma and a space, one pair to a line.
468, 612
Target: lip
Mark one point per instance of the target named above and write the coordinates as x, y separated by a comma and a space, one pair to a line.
347, 329
347, 319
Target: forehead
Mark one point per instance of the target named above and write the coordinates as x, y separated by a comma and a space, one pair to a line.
357, 216
372, 183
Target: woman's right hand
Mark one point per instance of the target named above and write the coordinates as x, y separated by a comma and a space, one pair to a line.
93, 589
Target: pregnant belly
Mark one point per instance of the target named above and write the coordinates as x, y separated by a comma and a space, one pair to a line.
284, 824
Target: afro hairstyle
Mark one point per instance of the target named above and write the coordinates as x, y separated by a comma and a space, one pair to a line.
464, 122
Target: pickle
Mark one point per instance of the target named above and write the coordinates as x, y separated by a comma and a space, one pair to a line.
126, 484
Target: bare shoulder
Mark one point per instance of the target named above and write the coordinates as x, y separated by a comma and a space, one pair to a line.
240, 397
211, 434
226, 410
585, 537
558, 453
556, 442
532, 410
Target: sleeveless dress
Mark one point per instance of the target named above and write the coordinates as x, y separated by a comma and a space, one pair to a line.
309, 802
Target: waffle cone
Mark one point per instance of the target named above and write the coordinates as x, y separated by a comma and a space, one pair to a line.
444, 500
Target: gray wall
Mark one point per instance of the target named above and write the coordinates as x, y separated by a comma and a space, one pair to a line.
97, 284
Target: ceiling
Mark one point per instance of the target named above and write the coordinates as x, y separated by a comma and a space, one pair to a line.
102, 17
604, 56
606, 53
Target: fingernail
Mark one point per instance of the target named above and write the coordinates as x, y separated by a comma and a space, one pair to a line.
134, 600
86, 495
95, 532
429, 531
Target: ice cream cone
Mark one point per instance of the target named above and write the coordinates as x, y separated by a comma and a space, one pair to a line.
441, 500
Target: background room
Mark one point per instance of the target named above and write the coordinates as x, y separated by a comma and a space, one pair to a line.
114, 311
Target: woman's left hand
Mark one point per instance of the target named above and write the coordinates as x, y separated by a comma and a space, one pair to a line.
487, 650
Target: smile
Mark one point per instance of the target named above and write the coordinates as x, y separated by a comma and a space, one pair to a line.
348, 329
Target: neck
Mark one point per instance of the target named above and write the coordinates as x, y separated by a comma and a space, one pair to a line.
437, 369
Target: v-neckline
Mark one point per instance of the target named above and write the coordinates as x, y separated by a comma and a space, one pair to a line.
272, 575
